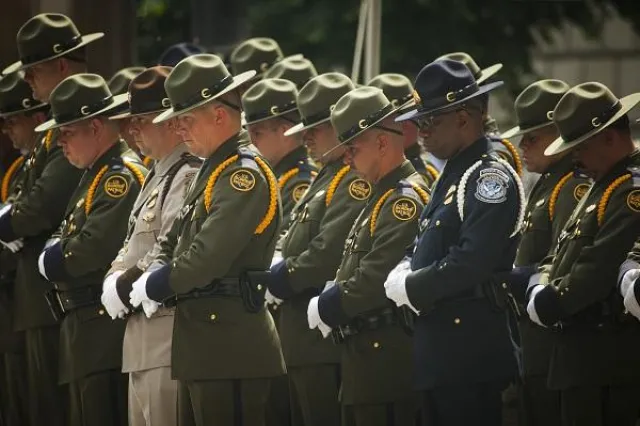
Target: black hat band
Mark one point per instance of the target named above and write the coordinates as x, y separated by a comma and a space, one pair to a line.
273, 111
150, 106
365, 123
27, 103
443, 101
56, 49
204, 94
595, 122
85, 111
547, 120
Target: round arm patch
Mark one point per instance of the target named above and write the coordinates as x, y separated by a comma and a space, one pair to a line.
299, 190
116, 186
404, 209
242, 180
360, 189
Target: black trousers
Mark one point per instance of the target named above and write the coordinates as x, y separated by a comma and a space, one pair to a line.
14, 404
314, 395
478, 404
48, 401
279, 402
600, 406
399, 413
99, 400
223, 402
540, 405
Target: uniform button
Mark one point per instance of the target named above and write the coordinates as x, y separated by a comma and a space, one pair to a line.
259, 287
376, 345
346, 292
66, 255
212, 317
101, 312
504, 285
456, 321
437, 223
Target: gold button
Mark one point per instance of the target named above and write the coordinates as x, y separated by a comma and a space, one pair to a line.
67, 255
376, 345
346, 292
259, 287
504, 285
437, 223
457, 321
101, 312
213, 317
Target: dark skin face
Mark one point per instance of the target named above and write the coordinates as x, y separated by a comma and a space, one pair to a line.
19, 128
447, 133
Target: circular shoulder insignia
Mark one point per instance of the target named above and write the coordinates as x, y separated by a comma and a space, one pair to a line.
242, 180
298, 191
492, 186
360, 189
116, 186
580, 190
404, 209
633, 200
505, 156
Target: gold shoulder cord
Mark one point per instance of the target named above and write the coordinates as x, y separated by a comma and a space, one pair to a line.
424, 196
602, 205
282, 181
6, 180
432, 171
47, 140
273, 190
333, 186
96, 180
556, 193
514, 154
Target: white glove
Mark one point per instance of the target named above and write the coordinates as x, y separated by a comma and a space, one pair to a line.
627, 281
531, 307
150, 307
404, 265
277, 258
5, 210
139, 290
50, 242
41, 265
110, 299
313, 317
15, 245
395, 287
270, 299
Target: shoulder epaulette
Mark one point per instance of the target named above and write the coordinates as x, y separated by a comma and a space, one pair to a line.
556, 193
6, 179
404, 188
602, 204
247, 159
333, 185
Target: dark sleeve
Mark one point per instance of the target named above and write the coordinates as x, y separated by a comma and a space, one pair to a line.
484, 239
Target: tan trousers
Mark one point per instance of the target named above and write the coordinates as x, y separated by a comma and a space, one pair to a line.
153, 398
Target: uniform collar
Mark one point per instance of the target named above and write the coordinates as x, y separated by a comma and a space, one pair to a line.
291, 160
560, 167
619, 168
413, 151
116, 150
225, 150
163, 165
391, 179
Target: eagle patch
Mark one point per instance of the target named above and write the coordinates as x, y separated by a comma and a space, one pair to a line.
492, 186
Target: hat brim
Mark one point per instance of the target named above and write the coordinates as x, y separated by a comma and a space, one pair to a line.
85, 39
519, 131
560, 145
24, 111
300, 127
247, 123
488, 72
415, 113
118, 100
127, 114
237, 81
371, 126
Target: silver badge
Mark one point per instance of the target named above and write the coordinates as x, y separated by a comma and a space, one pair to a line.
492, 186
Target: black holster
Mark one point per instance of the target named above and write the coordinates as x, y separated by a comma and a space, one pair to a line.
51, 297
253, 286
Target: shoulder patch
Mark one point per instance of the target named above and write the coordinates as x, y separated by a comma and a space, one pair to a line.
242, 180
492, 186
404, 209
360, 189
633, 200
299, 190
580, 190
116, 186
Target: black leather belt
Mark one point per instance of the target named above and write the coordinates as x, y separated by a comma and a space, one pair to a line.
224, 287
61, 302
366, 322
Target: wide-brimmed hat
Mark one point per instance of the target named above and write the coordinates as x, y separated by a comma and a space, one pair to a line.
255, 54
317, 99
198, 80
119, 82
178, 52
534, 106
80, 97
358, 111
268, 99
444, 84
396, 87
47, 36
297, 69
146, 93
480, 74
586, 110
16, 96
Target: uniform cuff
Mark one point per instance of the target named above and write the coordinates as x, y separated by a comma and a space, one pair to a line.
416, 290
6, 230
548, 307
518, 281
279, 284
54, 263
330, 308
124, 285
158, 288
626, 266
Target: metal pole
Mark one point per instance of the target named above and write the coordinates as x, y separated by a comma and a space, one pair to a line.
357, 54
372, 52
